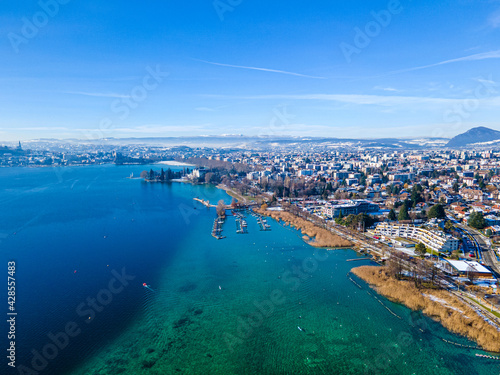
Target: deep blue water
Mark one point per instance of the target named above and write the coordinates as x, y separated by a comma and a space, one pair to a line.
91, 220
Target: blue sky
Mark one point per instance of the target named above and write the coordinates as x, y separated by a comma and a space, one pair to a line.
83, 69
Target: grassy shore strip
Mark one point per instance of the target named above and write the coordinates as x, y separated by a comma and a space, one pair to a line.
317, 237
240, 198
440, 305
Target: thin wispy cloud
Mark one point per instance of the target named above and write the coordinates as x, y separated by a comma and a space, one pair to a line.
163, 129
204, 109
214, 109
385, 88
260, 69
494, 20
41, 128
376, 100
475, 57
98, 94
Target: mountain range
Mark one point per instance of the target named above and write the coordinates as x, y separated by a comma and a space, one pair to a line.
475, 137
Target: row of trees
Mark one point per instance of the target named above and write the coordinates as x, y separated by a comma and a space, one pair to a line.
356, 221
422, 272
436, 211
163, 175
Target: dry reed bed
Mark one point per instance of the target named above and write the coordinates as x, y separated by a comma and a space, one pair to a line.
465, 322
317, 237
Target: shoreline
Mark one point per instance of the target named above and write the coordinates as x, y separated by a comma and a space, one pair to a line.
312, 234
239, 198
439, 305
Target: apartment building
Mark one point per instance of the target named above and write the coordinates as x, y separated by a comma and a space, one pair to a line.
348, 207
432, 239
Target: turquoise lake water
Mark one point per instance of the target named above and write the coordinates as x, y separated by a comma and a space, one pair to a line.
231, 306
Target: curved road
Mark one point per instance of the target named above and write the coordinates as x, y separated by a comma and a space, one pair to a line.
483, 246
487, 252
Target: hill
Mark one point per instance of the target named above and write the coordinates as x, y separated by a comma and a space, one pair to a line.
474, 135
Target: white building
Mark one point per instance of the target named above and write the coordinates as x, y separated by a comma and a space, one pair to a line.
435, 240
466, 267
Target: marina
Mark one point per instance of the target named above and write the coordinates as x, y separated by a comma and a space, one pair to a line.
241, 223
217, 228
262, 221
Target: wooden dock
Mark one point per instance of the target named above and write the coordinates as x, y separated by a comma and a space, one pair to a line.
355, 259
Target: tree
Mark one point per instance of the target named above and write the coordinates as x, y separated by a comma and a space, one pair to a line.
234, 204
403, 213
448, 225
363, 180
396, 264
221, 208
436, 211
392, 215
208, 177
418, 270
144, 174
363, 220
471, 274
476, 220
325, 194
455, 187
420, 249
489, 232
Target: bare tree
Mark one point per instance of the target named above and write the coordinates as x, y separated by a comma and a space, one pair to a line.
208, 177
396, 264
471, 274
221, 208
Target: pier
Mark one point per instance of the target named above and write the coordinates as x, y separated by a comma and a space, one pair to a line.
263, 223
355, 259
217, 228
241, 223
206, 203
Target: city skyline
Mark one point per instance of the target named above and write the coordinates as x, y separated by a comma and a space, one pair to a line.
393, 69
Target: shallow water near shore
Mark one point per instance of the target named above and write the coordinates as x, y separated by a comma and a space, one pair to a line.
230, 306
